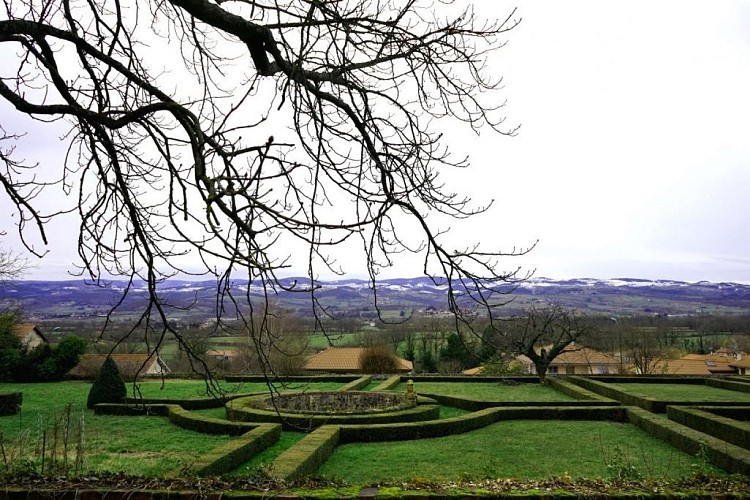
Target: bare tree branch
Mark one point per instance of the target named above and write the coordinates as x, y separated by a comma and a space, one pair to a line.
224, 133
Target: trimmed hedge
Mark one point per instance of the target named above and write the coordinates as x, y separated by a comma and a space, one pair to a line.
728, 384
207, 425
740, 413
473, 421
231, 455
10, 403
720, 453
650, 379
522, 379
127, 410
388, 384
305, 457
236, 379
649, 404
474, 405
703, 419
190, 404
738, 378
179, 417
579, 393
604, 389
419, 430
356, 384
240, 411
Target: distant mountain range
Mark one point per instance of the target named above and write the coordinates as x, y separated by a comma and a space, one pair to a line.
352, 297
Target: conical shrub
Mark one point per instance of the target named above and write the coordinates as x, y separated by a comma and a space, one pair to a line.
109, 387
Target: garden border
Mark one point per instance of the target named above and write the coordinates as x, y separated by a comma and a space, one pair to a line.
307, 455
238, 411
388, 384
729, 457
600, 385
356, 384
703, 419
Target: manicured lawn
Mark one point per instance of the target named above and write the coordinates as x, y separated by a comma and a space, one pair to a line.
148, 446
683, 392
523, 449
490, 391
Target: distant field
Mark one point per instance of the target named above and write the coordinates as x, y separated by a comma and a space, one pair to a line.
318, 341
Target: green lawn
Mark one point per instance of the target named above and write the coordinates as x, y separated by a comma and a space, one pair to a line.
490, 391
151, 446
148, 446
522, 449
683, 392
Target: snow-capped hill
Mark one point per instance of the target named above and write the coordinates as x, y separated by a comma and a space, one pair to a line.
599, 296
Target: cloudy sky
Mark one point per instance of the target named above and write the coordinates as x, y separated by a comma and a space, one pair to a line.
633, 157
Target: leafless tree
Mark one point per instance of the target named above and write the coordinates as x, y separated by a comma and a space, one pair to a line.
645, 348
12, 265
542, 334
225, 132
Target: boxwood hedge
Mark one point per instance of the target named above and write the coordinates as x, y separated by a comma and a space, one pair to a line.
704, 419
356, 384
729, 457
305, 457
231, 455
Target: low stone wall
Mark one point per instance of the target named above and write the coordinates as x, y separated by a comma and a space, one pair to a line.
336, 402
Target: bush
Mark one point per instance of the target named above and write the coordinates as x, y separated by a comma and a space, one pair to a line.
10, 404
108, 386
43, 363
378, 359
10, 349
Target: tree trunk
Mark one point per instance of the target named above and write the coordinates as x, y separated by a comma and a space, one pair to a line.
541, 370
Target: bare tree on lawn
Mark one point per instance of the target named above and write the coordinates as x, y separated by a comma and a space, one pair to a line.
541, 334
238, 139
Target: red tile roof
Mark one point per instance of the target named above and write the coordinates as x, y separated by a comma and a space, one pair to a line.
345, 360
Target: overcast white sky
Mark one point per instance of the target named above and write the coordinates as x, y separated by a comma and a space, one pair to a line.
633, 159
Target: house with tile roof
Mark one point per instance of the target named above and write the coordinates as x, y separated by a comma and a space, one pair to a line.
577, 360
130, 365
30, 335
742, 365
346, 360
697, 364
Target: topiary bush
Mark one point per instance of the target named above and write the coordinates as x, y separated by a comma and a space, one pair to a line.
109, 387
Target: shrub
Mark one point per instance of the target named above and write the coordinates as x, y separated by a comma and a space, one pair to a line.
378, 359
10, 404
108, 386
